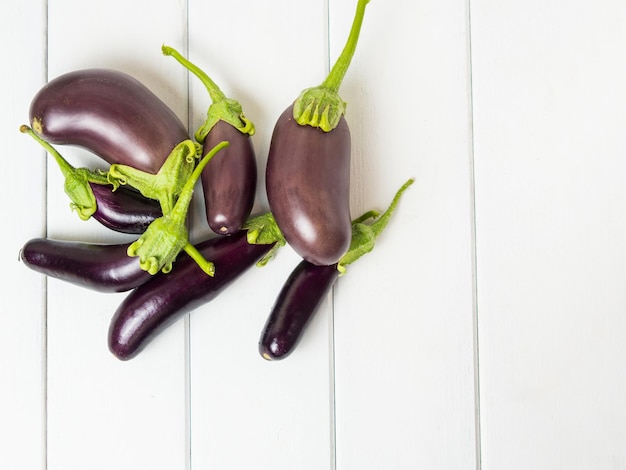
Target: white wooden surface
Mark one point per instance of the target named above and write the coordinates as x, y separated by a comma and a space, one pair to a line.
486, 329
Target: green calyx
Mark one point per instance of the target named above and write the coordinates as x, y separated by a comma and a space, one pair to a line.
222, 108
166, 185
77, 180
263, 230
321, 106
364, 235
158, 247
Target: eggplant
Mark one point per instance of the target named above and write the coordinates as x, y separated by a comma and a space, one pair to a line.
229, 180
308, 188
124, 210
120, 208
109, 113
297, 302
308, 167
308, 284
155, 305
98, 267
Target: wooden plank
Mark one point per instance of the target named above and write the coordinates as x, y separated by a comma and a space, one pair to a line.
112, 414
22, 316
549, 124
403, 319
247, 412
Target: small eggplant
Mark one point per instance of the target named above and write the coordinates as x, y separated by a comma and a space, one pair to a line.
229, 180
124, 210
153, 306
294, 308
110, 114
99, 267
308, 167
308, 284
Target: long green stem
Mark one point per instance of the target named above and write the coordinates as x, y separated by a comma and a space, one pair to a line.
214, 91
335, 77
222, 108
321, 106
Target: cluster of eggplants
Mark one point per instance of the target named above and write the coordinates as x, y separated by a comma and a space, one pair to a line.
307, 179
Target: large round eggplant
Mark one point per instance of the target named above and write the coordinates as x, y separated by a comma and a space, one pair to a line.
99, 267
109, 113
295, 306
156, 304
229, 180
308, 166
308, 187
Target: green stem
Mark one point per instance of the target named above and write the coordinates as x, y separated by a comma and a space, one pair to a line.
77, 180
222, 108
364, 235
335, 77
321, 106
214, 91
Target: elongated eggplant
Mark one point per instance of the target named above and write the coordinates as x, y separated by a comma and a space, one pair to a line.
308, 284
229, 180
158, 303
308, 188
297, 302
99, 267
109, 113
308, 167
124, 210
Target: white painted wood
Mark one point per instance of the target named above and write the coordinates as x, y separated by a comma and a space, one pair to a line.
247, 412
549, 123
22, 314
104, 413
518, 133
403, 342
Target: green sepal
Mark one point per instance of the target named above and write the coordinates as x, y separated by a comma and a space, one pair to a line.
166, 185
222, 108
263, 230
364, 235
319, 107
76, 183
160, 244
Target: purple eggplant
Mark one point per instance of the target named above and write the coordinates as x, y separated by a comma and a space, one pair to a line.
109, 113
99, 267
229, 180
308, 284
308, 167
294, 308
158, 303
124, 210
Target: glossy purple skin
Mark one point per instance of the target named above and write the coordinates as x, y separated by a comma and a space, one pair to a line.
157, 304
295, 306
229, 179
102, 268
124, 210
109, 113
308, 188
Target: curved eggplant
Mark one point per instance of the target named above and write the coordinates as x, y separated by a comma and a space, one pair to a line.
109, 113
308, 188
102, 268
294, 308
124, 210
158, 303
229, 180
